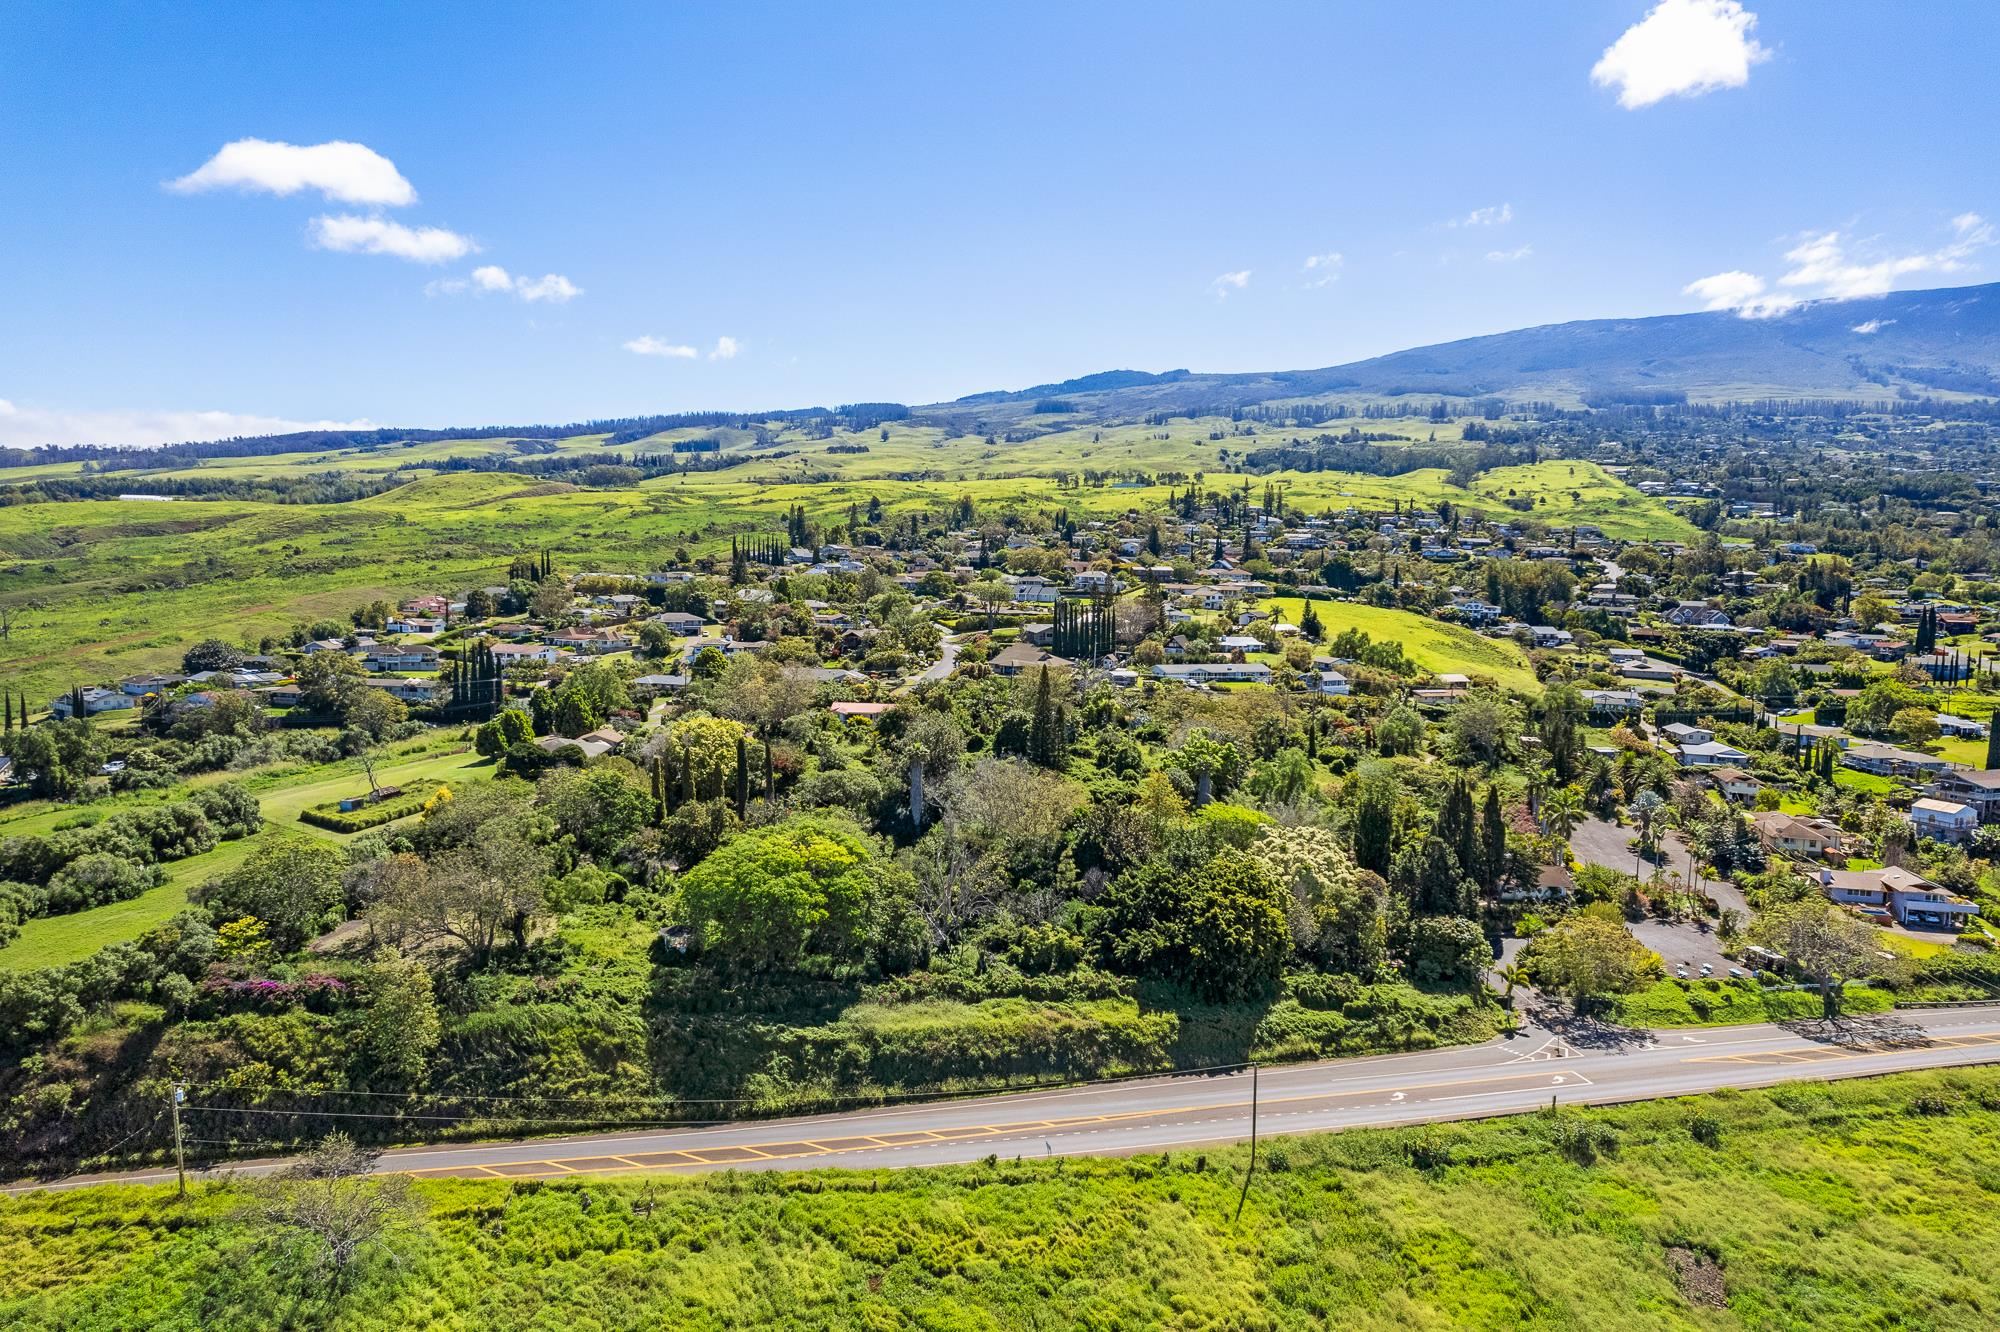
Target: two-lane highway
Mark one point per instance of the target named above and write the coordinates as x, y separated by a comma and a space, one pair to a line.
1171, 1113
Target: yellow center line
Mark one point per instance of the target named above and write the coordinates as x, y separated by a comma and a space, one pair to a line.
859, 1142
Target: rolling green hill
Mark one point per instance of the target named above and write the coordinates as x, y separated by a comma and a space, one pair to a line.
105, 588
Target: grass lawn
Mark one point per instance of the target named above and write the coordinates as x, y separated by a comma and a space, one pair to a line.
1863, 781
1828, 1206
1721, 1003
58, 940
1435, 646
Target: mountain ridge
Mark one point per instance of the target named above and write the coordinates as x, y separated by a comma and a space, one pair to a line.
1942, 340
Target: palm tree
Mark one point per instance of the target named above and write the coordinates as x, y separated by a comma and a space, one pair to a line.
1561, 812
1646, 810
1539, 781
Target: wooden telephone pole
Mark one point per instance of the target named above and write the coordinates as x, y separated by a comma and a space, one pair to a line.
1243, 1196
180, 1147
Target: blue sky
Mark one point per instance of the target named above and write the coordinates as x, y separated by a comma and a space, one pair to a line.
750, 205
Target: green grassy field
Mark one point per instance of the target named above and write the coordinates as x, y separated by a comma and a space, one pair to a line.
1435, 646
58, 940
1721, 1003
1834, 1207
105, 588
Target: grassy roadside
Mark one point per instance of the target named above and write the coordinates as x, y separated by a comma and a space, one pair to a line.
1847, 1205
1721, 1003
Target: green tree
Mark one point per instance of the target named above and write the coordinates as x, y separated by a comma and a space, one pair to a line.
293, 885
600, 807
1218, 926
1374, 791
400, 1027
1820, 939
773, 897
1401, 732
1562, 812
1587, 957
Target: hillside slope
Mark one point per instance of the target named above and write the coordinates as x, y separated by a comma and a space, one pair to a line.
1939, 341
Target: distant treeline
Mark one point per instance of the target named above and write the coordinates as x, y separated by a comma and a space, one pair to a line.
593, 469
1332, 453
850, 416
313, 488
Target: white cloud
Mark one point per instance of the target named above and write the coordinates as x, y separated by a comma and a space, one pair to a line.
1825, 267
347, 172
725, 349
1725, 291
1323, 269
552, 287
375, 235
1745, 293
1496, 215
1682, 48
25, 426
1228, 282
1822, 261
648, 345
1514, 255
1871, 326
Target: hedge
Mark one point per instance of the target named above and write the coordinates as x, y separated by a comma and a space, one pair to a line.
331, 817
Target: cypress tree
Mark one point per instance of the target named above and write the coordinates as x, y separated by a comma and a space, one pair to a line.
1044, 741
1493, 839
742, 778
1992, 745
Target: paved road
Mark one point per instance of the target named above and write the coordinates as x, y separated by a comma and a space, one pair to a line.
1556, 1058
937, 670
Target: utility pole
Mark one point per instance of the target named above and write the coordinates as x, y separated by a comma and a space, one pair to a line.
1243, 1196
180, 1149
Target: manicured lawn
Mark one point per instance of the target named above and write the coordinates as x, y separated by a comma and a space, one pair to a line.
57, 940
1828, 1206
1431, 644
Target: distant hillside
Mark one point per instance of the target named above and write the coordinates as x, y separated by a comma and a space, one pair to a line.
1945, 341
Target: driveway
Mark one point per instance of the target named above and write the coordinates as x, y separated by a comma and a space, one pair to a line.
937, 670
1688, 944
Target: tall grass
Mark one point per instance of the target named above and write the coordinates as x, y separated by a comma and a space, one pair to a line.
1851, 1205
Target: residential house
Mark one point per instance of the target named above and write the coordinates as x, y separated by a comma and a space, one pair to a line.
1793, 836
1981, 790
1960, 728
682, 624
95, 700
1018, 657
1040, 635
1735, 785
1889, 761
1333, 684
555, 744
1614, 702
1712, 754
654, 686
408, 690
1681, 733
514, 654
1899, 894
383, 657
1216, 672
1943, 820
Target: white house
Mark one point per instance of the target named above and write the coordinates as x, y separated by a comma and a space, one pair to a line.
1943, 820
1712, 754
